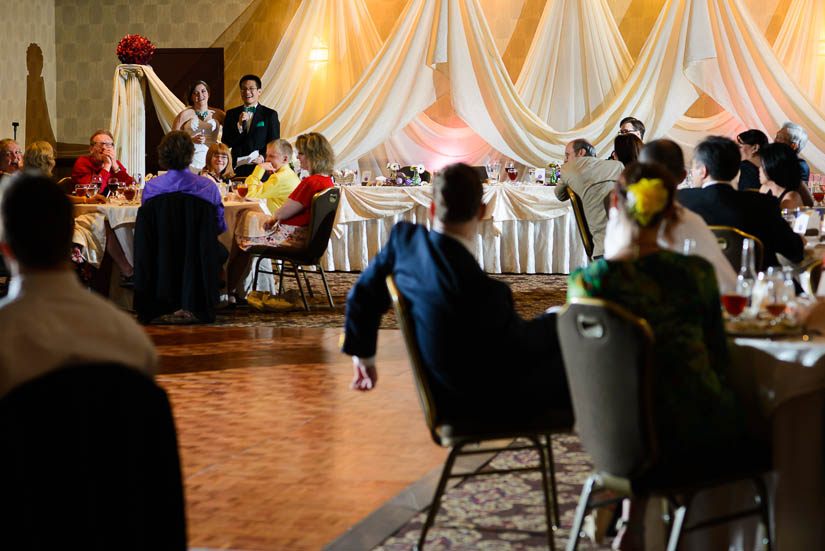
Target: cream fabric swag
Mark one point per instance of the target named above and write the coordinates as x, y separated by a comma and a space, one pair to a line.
708, 45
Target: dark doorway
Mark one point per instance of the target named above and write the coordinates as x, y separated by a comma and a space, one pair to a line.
178, 68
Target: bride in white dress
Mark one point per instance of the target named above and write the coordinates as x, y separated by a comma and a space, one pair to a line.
201, 122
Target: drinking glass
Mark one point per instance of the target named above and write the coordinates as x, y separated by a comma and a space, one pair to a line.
112, 185
91, 190
129, 192
817, 190
242, 189
780, 293
736, 299
511, 170
531, 175
493, 170
80, 190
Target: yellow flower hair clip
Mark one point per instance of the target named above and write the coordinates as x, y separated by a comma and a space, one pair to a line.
645, 199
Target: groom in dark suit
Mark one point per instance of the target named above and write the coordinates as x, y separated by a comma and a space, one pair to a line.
483, 359
248, 128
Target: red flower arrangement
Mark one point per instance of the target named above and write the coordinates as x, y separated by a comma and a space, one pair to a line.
134, 48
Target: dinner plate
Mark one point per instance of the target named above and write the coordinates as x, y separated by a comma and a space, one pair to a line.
761, 328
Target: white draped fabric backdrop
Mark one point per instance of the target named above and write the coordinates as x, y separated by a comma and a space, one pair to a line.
578, 80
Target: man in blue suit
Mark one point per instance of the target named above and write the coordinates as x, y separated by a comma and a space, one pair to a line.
482, 358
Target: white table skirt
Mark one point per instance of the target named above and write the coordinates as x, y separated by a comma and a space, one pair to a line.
526, 229
782, 387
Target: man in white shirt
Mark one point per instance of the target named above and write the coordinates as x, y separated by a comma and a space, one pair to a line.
49, 320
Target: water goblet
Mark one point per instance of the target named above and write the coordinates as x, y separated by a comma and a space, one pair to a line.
493, 168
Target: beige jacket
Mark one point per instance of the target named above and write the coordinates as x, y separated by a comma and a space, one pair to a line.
591, 179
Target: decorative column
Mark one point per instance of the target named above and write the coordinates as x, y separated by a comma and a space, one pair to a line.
129, 118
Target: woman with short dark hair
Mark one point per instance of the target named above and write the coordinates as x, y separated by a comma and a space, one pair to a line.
751, 142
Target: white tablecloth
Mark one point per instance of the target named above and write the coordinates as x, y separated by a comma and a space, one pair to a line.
122, 218
782, 386
525, 229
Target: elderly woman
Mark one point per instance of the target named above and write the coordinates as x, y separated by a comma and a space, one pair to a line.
751, 143
698, 417
39, 155
291, 221
780, 175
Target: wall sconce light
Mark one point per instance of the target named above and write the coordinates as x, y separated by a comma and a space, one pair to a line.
319, 53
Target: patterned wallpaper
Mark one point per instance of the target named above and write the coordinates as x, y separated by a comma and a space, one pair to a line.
88, 33
23, 24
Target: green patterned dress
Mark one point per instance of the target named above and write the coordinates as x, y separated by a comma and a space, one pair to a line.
677, 295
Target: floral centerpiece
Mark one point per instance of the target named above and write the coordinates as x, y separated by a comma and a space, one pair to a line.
135, 49
417, 171
394, 168
552, 174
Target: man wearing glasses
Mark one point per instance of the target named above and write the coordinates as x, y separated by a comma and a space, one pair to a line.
11, 157
248, 128
100, 162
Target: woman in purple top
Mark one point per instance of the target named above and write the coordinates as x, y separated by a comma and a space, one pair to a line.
174, 154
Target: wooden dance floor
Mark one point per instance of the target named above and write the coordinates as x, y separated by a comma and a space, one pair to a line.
277, 452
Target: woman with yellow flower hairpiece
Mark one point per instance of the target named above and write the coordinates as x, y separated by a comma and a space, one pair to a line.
697, 415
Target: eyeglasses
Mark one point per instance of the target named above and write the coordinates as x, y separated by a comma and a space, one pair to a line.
624, 131
104, 144
12, 153
221, 156
252, 89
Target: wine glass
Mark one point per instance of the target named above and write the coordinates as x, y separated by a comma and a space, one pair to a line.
511, 170
493, 169
735, 300
780, 293
129, 192
112, 185
818, 191
242, 189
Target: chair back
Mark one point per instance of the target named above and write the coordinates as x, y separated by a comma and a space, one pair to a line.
422, 384
730, 241
66, 185
581, 223
608, 357
177, 257
90, 455
809, 279
321, 220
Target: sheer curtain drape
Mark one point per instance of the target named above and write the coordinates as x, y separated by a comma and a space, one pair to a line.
577, 81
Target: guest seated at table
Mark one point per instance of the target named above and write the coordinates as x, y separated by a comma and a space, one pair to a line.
39, 155
780, 176
217, 166
684, 226
282, 180
626, 148
48, 319
100, 164
291, 221
592, 180
715, 163
485, 361
751, 143
201, 122
698, 418
793, 135
632, 125
174, 154
11, 157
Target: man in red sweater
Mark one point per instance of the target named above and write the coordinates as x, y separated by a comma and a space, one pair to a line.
100, 162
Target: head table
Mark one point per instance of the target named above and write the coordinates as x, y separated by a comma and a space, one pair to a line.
525, 229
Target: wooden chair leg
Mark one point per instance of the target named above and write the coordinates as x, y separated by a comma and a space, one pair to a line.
300, 287
765, 512
280, 277
326, 286
581, 511
439, 492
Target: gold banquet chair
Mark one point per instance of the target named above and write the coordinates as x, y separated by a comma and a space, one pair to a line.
581, 223
322, 211
457, 434
730, 241
609, 359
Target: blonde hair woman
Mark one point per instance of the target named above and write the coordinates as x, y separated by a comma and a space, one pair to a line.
39, 155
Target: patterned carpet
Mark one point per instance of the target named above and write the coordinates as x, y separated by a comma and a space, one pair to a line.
532, 293
505, 512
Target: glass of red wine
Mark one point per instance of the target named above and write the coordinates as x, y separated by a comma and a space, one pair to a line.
736, 300
242, 189
129, 192
511, 170
818, 192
